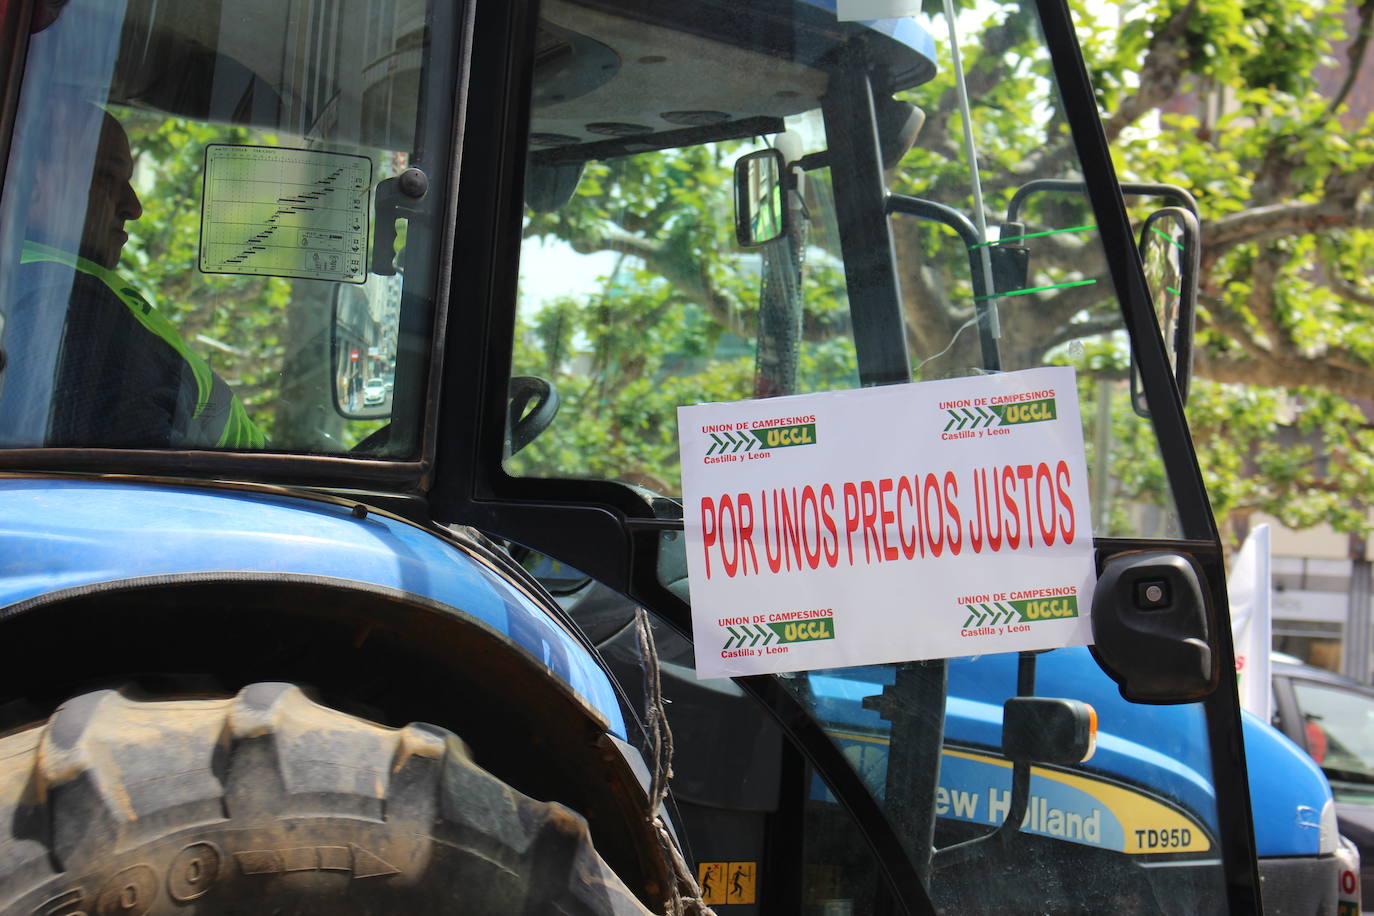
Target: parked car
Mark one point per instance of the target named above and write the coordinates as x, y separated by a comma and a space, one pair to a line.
1332, 718
374, 391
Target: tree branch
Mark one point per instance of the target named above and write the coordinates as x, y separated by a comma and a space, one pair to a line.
1340, 284
1051, 160
1355, 54
1283, 373
1279, 220
1262, 303
693, 284
1160, 74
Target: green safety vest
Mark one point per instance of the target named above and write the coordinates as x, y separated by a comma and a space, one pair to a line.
219, 419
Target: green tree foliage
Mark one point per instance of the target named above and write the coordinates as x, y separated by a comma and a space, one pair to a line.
1250, 104
1245, 103
673, 322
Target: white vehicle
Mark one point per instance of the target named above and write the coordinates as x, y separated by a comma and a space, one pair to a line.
374, 391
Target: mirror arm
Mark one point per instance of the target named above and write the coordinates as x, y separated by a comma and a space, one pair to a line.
1020, 785
982, 301
1020, 801
940, 213
1179, 196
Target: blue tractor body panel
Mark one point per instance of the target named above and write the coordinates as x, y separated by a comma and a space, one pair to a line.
57, 535
1287, 791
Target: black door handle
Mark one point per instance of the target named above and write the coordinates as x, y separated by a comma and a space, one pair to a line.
1150, 632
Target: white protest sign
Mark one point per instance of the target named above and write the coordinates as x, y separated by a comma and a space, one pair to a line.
930, 520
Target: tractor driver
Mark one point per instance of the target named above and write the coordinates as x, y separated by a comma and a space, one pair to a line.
91, 361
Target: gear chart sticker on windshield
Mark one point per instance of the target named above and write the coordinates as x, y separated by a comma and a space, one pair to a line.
279, 212
929, 520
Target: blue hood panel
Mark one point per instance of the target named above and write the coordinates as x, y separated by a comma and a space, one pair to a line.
1287, 792
61, 534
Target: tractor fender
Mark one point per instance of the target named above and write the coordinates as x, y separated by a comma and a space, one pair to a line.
62, 536
107, 582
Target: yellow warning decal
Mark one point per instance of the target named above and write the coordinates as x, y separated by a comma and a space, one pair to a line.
742, 877
728, 882
711, 880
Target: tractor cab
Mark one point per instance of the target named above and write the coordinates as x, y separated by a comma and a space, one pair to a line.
460, 264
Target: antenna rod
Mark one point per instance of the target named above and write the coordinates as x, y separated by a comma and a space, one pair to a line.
994, 325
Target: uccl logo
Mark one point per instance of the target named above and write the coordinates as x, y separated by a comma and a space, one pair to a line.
966, 418
803, 630
1026, 411
784, 436
749, 635
986, 610
727, 441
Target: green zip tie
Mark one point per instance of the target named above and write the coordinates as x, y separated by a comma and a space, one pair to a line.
1035, 289
1013, 238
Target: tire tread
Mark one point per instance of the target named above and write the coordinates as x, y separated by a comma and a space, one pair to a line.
300, 807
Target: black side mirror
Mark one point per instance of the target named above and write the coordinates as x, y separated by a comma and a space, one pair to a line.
1048, 730
1171, 250
760, 202
1150, 633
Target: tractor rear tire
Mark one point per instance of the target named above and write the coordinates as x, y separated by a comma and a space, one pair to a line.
268, 802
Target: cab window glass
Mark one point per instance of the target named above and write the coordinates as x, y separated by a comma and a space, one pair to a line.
638, 294
199, 237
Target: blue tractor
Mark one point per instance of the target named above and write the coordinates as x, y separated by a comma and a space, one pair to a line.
342, 565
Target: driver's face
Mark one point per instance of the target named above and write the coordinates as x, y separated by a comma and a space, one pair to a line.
110, 199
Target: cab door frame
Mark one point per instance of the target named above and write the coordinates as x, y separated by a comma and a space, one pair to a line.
1203, 541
